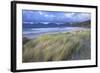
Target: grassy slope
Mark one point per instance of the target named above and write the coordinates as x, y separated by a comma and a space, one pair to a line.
59, 46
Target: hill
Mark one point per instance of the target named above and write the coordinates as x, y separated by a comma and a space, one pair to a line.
57, 47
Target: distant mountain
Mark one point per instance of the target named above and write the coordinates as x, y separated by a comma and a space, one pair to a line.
42, 25
52, 25
84, 24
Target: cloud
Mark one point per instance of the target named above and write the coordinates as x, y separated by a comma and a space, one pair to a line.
50, 16
82, 17
69, 14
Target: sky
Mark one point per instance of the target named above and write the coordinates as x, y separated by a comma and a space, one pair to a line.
52, 16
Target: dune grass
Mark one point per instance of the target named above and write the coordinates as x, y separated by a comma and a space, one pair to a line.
59, 46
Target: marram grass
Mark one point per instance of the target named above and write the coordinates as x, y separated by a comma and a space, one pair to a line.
73, 45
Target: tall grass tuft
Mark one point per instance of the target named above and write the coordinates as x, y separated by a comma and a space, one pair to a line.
73, 45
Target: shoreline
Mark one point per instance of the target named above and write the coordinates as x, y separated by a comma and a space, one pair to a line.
33, 36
